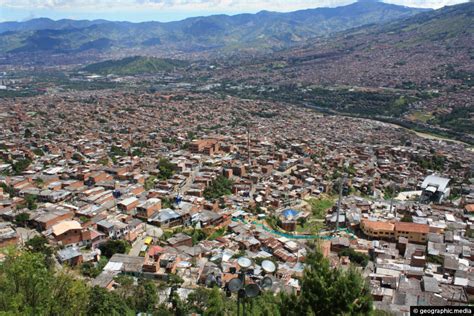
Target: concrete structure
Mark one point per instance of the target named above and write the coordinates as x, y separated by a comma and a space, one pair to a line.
435, 189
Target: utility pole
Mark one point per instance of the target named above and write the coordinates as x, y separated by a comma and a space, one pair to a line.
248, 145
341, 184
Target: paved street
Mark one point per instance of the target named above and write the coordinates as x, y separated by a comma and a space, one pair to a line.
151, 231
26, 234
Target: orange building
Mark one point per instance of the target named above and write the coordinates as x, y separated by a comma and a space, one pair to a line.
413, 231
68, 232
205, 146
386, 230
378, 229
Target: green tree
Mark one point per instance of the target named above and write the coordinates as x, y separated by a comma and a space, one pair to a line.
174, 279
27, 133
7, 189
166, 169
266, 304
137, 152
180, 307
29, 287
38, 152
198, 300
357, 257
146, 296
24, 284
104, 302
40, 245
77, 157
68, 295
92, 270
215, 304
167, 202
407, 218
218, 188
117, 151
327, 291
21, 165
198, 235
21, 219
150, 183
30, 201
111, 247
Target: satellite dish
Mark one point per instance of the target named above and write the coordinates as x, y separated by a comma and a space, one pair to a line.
266, 283
210, 280
234, 285
268, 266
244, 262
252, 290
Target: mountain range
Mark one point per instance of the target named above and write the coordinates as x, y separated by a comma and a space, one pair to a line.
261, 31
416, 71
415, 49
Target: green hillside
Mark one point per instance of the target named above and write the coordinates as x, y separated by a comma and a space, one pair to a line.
135, 65
268, 30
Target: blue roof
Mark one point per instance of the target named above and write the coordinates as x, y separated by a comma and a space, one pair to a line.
290, 213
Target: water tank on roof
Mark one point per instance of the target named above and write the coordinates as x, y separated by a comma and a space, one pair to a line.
290, 213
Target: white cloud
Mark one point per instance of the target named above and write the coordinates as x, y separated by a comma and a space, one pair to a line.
201, 5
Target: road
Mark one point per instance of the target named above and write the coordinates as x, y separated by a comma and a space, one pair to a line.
26, 233
151, 231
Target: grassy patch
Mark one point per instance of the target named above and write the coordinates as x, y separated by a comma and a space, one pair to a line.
320, 207
420, 116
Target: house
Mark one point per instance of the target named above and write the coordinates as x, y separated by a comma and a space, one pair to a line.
126, 264
99, 176
127, 205
53, 196
180, 239
205, 146
435, 189
52, 217
414, 232
166, 218
146, 209
92, 237
113, 228
209, 218
378, 229
67, 232
71, 256
8, 236
430, 284
105, 279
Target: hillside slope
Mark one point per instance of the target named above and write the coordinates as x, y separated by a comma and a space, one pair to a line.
135, 65
264, 30
417, 70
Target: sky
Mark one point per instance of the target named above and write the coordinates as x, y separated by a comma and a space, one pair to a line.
168, 10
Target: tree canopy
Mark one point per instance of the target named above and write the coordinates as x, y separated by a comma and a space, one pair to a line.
218, 188
328, 291
28, 286
111, 247
166, 169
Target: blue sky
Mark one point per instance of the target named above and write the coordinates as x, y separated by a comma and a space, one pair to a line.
168, 10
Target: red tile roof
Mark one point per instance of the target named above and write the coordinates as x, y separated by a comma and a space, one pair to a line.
412, 227
470, 208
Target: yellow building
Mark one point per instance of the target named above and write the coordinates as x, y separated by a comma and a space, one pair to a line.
376, 229
412, 231
386, 230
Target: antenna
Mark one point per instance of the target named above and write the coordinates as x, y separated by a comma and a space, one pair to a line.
343, 180
130, 142
248, 144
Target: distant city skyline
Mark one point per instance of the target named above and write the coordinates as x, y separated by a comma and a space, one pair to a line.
168, 10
